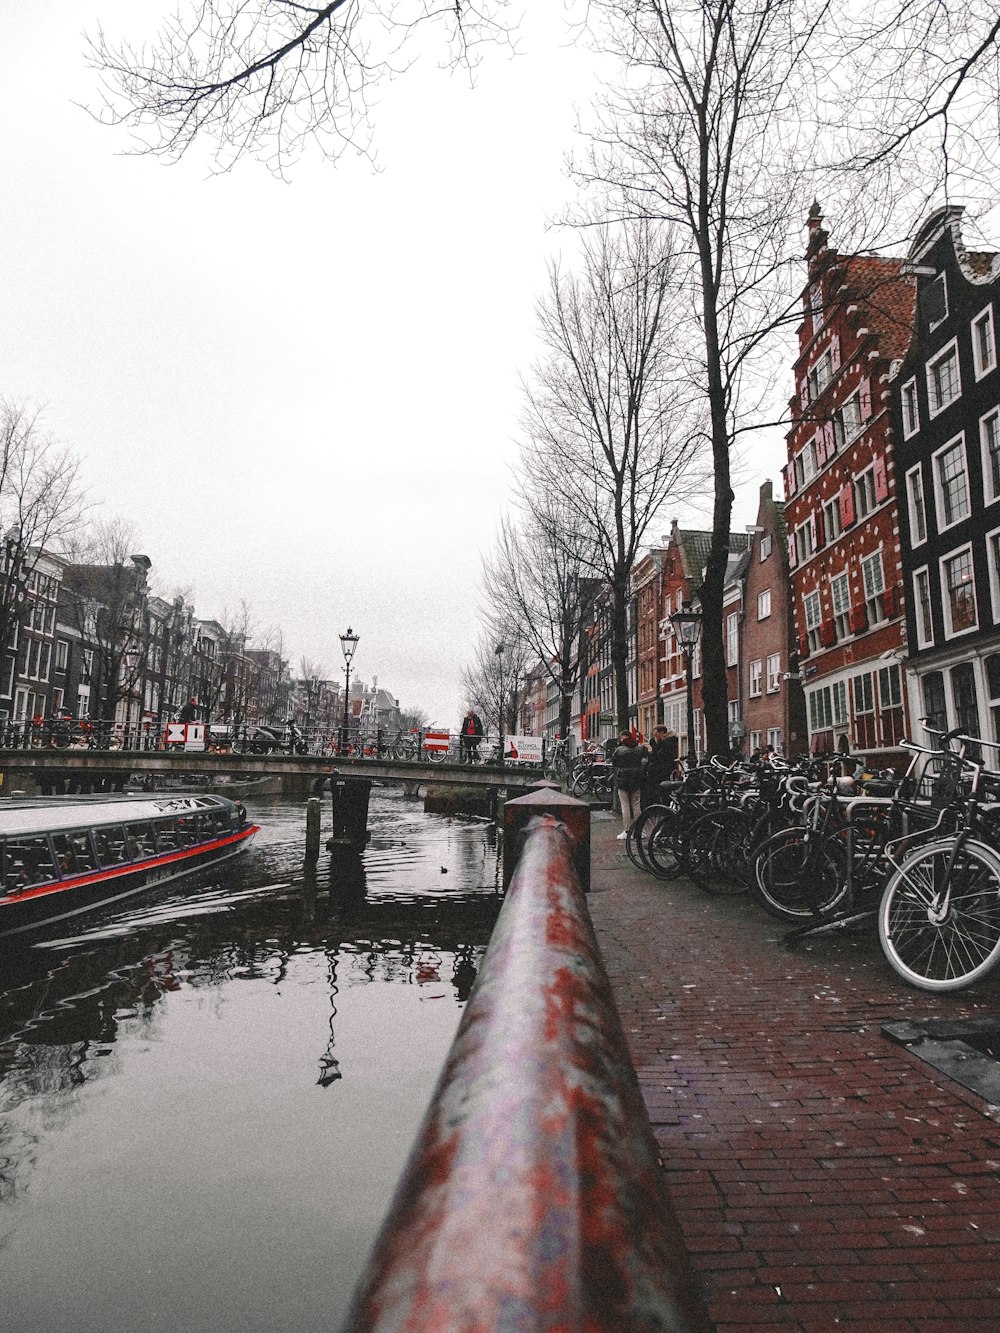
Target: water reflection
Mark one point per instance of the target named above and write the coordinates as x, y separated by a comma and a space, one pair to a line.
273, 1036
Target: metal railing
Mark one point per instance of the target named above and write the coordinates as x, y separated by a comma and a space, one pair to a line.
534, 1197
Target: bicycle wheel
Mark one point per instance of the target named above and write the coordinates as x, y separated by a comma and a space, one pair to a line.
715, 852
583, 783
662, 847
941, 931
799, 876
639, 834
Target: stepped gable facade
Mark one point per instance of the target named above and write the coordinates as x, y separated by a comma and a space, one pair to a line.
840, 509
946, 431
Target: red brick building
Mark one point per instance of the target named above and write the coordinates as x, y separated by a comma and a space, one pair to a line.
842, 529
647, 587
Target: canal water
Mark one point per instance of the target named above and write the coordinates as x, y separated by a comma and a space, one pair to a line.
206, 1100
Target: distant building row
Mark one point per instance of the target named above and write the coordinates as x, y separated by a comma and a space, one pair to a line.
869, 599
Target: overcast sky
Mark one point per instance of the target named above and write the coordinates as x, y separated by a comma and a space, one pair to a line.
304, 395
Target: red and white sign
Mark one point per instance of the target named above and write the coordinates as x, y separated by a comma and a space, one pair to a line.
189, 734
437, 740
522, 749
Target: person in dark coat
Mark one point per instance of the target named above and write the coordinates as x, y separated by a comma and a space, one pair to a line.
469, 737
663, 751
628, 763
188, 711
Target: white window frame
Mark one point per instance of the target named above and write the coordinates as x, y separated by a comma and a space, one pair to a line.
841, 616
764, 604
956, 442
941, 278
812, 611
984, 320
755, 737
765, 547
993, 564
911, 408
865, 499
923, 573
873, 588
774, 738
936, 405
732, 639
756, 678
915, 475
773, 673
831, 520
991, 493
949, 631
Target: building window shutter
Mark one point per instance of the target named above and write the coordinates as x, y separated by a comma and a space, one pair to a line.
812, 531
803, 645
847, 506
866, 399
858, 619
880, 478
831, 446
788, 472
819, 444
828, 634
791, 553
817, 529
834, 352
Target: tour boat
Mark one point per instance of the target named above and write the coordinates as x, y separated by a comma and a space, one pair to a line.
59, 857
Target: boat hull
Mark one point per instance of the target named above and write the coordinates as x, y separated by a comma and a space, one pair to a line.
47, 904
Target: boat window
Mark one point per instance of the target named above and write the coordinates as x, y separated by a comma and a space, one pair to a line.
74, 854
166, 835
214, 822
27, 861
141, 838
112, 848
187, 832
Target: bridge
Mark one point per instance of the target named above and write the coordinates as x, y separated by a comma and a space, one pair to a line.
123, 763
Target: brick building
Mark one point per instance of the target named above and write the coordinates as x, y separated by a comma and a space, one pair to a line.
842, 529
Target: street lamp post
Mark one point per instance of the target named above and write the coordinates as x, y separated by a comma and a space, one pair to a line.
348, 643
687, 627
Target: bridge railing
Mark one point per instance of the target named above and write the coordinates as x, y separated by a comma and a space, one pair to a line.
534, 1195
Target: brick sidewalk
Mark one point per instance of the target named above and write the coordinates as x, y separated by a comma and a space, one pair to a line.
824, 1177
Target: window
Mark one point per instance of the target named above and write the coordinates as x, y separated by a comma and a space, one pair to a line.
934, 703
828, 707
890, 689
936, 301
944, 382
989, 438
984, 348
732, 639
88, 663
963, 693
773, 673
862, 688
774, 738
915, 497
756, 672
840, 595
959, 592
831, 519
993, 690
847, 420
864, 493
803, 543
922, 608
765, 547
911, 414
754, 741
993, 562
951, 484
811, 606
820, 375
816, 307
764, 604
874, 585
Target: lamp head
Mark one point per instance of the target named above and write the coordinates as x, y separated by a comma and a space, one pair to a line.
348, 643
687, 626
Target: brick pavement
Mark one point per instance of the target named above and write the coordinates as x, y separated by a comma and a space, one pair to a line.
824, 1177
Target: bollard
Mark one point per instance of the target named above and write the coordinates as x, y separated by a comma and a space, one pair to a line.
312, 828
573, 814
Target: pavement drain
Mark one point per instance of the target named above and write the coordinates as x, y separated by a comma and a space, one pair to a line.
965, 1049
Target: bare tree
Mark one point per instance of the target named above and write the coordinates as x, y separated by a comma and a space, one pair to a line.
537, 578
609, 430
240, 671
41, 505
269, 76
107, 588
707, 133
492, 681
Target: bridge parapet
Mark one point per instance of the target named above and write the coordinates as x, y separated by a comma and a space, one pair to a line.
534, 1196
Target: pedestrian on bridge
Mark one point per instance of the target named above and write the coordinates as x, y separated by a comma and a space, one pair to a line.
469, 737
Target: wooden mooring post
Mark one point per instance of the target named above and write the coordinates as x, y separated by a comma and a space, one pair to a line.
312, 828
350, 813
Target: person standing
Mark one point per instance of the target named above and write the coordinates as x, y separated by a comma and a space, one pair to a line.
663, 752
628, 762
469, 737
